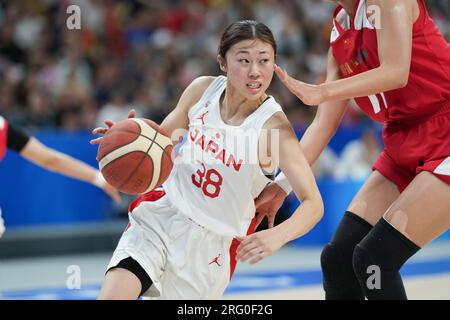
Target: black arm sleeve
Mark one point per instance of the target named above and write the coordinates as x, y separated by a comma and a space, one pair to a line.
17, 139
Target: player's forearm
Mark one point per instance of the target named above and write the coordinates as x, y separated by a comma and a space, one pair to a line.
70, 167
381, 79
307, 215
56, 161
313, 142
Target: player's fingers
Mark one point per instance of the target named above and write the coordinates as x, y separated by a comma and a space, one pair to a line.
271, 220
259, 217
262, 199
132, 113
241, 239
284, 76
280, 72
288, 81
115, 196
250, 254
109, 123
99, 130
95, 141
258, 258
244, 250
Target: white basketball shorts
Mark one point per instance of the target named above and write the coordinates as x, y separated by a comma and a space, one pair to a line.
183, 259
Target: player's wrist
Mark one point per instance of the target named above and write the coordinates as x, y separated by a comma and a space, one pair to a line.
283, 183
99, 181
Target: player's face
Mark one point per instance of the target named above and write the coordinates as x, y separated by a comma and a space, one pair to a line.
250, 67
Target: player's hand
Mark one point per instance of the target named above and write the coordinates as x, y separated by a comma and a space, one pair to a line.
2, 224
109, 124
100, 182
112, 192
268, 203
259, 245
311, 95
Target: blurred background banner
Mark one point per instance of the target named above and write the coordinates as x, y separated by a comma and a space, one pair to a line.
65, 66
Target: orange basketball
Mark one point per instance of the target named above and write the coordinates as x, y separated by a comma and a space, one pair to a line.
135, 156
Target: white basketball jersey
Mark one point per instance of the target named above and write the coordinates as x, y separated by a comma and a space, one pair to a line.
216, 174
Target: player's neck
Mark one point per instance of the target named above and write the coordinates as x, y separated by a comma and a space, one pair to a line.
235, 107
349, 6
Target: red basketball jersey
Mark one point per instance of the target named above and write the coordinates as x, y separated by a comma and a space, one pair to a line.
355, 49
3, 136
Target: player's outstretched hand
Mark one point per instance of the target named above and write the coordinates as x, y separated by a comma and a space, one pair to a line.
2, 224
113, 193
311, 95
101, 183
259, 245
268, 203
109, 124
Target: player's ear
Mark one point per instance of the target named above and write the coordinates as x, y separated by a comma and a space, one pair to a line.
222, 63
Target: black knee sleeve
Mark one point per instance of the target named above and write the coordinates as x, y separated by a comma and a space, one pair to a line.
377, 260
339, 280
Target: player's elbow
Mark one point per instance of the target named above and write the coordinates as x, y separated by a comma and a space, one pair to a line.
317, 209
402, 79
399, 77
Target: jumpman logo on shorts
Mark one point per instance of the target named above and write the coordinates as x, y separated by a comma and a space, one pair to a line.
216, 260
202, 117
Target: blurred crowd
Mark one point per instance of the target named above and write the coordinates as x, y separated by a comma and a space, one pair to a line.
142, 54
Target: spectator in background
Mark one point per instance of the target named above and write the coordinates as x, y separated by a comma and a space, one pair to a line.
134, 47
325, 166
358, 156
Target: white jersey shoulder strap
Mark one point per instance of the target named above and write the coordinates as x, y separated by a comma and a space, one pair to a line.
268, 108
217, 85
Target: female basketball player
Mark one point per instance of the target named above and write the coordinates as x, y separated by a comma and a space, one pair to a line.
31, 149
181, 241
396, 65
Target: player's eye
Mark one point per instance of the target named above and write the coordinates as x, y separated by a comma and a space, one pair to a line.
243, 61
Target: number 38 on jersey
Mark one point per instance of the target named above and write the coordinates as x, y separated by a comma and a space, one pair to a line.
209, 181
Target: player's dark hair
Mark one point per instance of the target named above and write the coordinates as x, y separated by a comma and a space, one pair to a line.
245, 30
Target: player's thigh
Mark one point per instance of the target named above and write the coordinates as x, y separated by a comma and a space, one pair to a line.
374, 198
120, 284
422, 212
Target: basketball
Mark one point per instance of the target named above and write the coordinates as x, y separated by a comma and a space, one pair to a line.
135, 156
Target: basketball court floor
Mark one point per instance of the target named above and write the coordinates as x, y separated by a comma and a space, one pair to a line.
292, 273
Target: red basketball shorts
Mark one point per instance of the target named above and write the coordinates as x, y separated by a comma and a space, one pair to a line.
413, 147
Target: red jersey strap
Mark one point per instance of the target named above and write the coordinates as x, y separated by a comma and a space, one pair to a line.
423, 14
335, 22
3, 136
352, 21
338, 26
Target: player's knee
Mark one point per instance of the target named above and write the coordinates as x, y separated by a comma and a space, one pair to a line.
330, 259
361, 261
336, 266
385, 248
